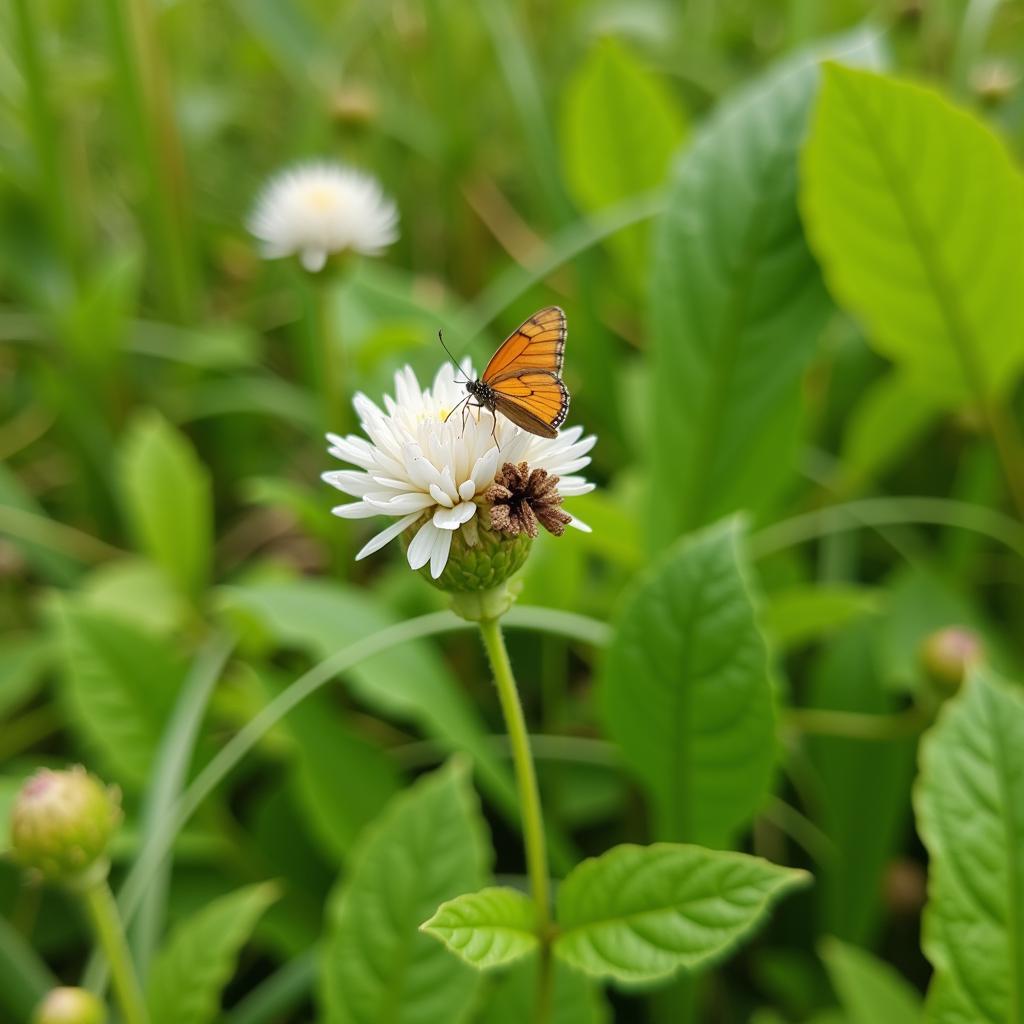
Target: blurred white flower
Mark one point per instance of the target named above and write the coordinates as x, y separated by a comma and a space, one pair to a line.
415, 464
317, 209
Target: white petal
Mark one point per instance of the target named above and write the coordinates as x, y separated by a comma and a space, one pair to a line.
440, 497
355, 510
385, 536
580, 525
565, 468
349, 481
467, 490
453, 518
422, 545
400, 504
573, 486
439, 554
313, 259
484, 470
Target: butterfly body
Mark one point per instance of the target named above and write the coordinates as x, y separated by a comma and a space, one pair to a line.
523, 379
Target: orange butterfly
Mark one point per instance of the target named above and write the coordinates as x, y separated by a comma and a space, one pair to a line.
523, 379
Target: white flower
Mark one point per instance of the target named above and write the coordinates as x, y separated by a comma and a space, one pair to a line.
317, 209
417, 463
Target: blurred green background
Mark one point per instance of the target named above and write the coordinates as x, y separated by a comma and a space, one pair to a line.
163, 406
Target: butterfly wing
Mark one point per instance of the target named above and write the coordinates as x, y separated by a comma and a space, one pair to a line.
537, 344
535, 400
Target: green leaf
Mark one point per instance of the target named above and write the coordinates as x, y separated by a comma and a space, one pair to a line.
119, 685
23, 660
806, 612
969, 801
490, 928
410, 683
736, 305
869, 990
166, 494
887, 422
638, 913
428, 846
620, 127
916, 210
341, 779
862, 786
685, 690
575, 998
200, 956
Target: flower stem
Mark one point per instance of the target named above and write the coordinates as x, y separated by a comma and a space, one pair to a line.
106, 923
529, 800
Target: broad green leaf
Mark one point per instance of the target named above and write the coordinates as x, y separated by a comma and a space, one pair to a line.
620, 128
638, 913
119, 684
575, 998
341, 779
427, 846
200, 956
137, 590
969, 802
409, 682
869, 990
685, 690
806, 612
166, 495
862, 786
736, 305
887, 422
916, 210
490, 928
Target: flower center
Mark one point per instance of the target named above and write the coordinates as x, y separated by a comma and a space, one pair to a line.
321, 198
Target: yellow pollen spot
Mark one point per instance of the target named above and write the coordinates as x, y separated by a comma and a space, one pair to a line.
321, 199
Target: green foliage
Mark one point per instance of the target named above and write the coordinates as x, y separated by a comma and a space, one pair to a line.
166, 494
906, 198
638, 913
575, 998
736, 306
490, 928
869, 989
118, 683
970, 811
685, 659
429, 846
201, 954
620, 128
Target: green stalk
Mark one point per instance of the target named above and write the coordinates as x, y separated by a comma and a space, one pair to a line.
106, 924
529, 801
53, 197
152, 137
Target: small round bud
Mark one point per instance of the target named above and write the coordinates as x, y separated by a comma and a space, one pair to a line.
993, 81
482, 565
947, 654
62, 823
69, 1006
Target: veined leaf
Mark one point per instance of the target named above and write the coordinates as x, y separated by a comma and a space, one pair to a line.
916, 211
378, 967
166, 493
736, 304
869, 990
620, 128
969, 801
638, 913
119, 685
200, 957
685, 690
490, 928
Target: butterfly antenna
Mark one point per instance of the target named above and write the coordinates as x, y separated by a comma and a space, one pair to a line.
458, 369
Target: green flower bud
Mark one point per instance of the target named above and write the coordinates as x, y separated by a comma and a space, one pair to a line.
483, 565
69, 1006
947, 654
61, 825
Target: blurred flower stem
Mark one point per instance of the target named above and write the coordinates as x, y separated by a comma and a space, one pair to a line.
151, 135
529, 799
106, 924
324, 358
